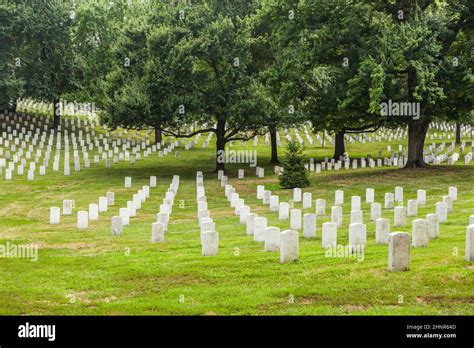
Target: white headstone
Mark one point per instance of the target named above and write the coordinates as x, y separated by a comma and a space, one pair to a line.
250, 223
449, 203
309, 225
453, 193
110, 198
102, 204
389, 200
398, 252
329, 234
421, 197
398, 194
433, 226
260, 225
289, 246
336, 215
382, 231
117, 226
369, 195
419, 234
132, 210
244, 212
296, 195
125, 215
82, 220
93, 212
320, 207
238, 205
272, 239
355, 203
283, 211
442, 211
54, 215
233, 199
339, 197
204, 213
399, 217
307, 200
375, 211
295, 219
357, 237
164, 219
469, 255
157, 232
67, 207
274, 203
210, 243
412, 208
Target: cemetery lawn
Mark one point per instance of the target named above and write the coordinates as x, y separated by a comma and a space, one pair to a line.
92, 273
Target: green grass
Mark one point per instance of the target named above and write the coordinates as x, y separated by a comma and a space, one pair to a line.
91, 272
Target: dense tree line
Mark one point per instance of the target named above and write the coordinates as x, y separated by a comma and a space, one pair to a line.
240, 68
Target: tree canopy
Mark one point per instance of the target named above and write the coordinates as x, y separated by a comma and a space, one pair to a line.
241, 68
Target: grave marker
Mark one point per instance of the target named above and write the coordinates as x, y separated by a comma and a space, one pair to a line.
289, 246
398, 252
309, 225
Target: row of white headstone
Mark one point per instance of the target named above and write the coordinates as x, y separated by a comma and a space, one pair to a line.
285, 242
125, 213
469, 254
93, 210
47, 139
159, 227
422, 229
208, 235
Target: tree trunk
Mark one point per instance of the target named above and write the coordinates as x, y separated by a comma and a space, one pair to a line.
339, 147
416, 140
458, 133
158, 135
417, 129
220, 146
273, 139
56, 115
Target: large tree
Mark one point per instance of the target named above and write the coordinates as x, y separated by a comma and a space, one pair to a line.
49, 64
97, 27
416, 45
130, 101
11, 86
323, 53
211, 70
273, 64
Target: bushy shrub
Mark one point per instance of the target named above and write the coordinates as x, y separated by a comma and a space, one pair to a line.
294, 172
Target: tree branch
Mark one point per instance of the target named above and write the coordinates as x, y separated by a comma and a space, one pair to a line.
179, 135
244, 138
363, 129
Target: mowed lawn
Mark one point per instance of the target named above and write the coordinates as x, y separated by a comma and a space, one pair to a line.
92, 273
